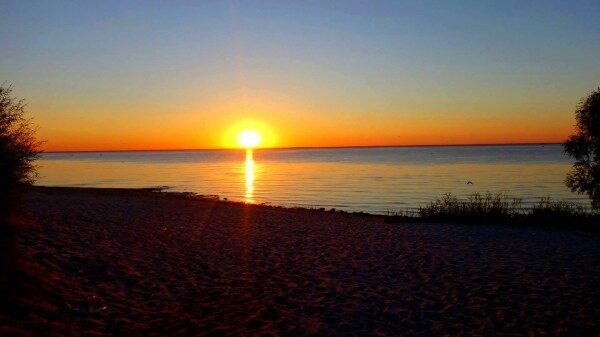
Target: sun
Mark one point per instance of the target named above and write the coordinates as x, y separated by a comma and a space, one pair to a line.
249, 134
249, 139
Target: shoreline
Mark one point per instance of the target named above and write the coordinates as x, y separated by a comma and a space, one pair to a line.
404, 216
163, 191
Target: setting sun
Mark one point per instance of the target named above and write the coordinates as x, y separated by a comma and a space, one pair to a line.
249, 134
249, 138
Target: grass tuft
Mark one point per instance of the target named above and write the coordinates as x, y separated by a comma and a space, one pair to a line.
501, 209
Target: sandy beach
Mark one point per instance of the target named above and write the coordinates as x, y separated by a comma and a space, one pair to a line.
127, 262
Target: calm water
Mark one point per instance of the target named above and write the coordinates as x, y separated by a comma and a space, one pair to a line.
368, 179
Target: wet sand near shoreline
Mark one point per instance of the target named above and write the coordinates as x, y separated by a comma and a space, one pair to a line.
128, 262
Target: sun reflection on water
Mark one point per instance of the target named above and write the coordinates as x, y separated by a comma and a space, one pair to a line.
249, 163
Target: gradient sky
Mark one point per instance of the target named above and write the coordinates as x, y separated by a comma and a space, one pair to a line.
107, 75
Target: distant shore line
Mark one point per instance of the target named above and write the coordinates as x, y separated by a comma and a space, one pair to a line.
312, 147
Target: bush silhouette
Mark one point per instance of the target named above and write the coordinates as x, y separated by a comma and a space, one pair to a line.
18, 146
584, 146
18, 150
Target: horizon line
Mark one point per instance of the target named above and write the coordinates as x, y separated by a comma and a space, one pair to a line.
310, 147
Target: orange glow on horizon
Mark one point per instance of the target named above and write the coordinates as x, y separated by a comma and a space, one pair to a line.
282, 127
326, 138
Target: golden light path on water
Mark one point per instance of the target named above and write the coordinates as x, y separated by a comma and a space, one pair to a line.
249, 174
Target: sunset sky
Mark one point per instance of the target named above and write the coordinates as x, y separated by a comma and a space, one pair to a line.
115, 75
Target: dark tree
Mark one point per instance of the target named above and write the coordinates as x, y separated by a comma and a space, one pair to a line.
18, 150
584, 146
18, 146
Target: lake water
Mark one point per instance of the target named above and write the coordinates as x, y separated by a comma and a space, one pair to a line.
374, 180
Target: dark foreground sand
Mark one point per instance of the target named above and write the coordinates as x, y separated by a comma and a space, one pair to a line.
166, 265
